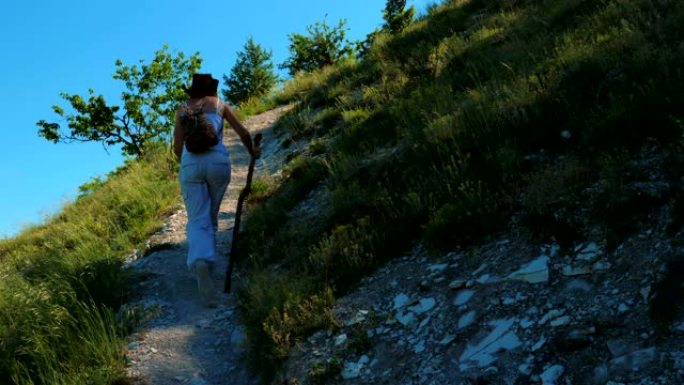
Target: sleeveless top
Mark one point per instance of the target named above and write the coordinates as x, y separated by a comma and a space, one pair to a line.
217, 121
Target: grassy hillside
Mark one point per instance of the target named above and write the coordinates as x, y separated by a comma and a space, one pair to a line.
481, 110
61, 281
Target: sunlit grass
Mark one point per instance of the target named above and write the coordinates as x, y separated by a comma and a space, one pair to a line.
61, 281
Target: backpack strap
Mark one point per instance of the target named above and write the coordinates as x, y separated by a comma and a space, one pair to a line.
218, 106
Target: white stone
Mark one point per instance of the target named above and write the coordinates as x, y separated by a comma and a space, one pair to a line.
353, 369
526, 323
534, 272
466, 319
341, 339
479, 269
578, 285
551, 314
633, 361
552, 374
589, 252
560, 321
457, 284
436, 268
553, 250
508, 301
463, 297
400, 301
538, 345
359, 317
483, 354
524, 369
598, 266
491, 371
406, 319
622, 308
447, 339
420, 347
424, 305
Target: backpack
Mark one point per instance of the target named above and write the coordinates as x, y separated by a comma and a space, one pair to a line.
200, 135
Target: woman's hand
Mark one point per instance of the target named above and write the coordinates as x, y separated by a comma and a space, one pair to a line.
256, 152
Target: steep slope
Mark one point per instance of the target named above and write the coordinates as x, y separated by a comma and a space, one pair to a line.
511, 311
548, 119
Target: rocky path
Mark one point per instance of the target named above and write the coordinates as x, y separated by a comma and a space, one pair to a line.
182, 342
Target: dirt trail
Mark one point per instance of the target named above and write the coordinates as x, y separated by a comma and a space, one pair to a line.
183, 342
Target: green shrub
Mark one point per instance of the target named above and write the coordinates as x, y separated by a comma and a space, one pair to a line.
279, 311
345, 254
322, 373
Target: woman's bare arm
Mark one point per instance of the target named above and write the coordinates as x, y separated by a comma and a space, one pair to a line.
178, 137
246, 138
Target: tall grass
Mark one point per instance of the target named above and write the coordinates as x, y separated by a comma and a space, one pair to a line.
62, 280
429, 137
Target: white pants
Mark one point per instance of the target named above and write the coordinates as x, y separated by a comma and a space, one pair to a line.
204, 179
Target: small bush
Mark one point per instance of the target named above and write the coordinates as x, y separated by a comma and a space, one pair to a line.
322, 373
346, 254
262, 187
298, 123
472, 214
278, 313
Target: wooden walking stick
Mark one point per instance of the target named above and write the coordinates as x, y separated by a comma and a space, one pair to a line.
238, 213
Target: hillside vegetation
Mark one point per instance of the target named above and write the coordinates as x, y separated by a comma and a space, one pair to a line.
479, 116
61, 281
479, 112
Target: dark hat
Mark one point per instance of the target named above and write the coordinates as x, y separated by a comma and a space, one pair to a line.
202, 85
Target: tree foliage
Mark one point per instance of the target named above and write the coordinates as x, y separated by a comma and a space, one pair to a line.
396, 16
252, 75
146, 112
324, 45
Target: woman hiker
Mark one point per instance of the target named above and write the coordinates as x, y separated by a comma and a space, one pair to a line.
204, 177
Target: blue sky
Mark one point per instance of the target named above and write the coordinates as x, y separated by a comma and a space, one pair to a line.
69, 46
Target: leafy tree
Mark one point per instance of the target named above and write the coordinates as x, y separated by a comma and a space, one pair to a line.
148, 104
252, 75
325, 45
396, 20
396, 16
